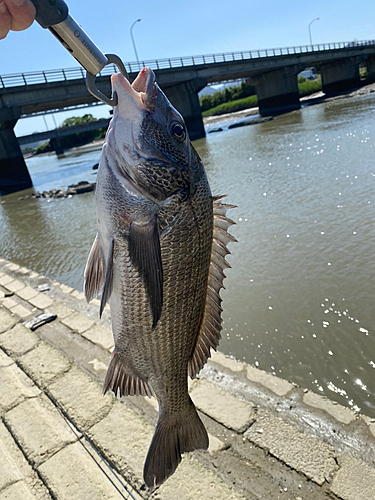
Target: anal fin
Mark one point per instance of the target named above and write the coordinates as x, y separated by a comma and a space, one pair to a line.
122, 383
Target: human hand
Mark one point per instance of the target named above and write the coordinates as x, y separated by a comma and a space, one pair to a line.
15, 15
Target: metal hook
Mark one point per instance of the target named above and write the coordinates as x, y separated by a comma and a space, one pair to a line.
90, 81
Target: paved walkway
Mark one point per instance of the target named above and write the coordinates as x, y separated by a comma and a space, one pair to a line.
59, 439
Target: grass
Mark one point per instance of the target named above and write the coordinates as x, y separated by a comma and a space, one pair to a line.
307, 87
230, 107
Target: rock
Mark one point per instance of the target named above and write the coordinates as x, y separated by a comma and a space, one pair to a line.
218, 129
251, 122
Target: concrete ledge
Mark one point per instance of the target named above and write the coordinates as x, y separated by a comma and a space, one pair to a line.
295, 441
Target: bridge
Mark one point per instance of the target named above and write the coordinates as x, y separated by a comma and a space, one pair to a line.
56, 134
273, 72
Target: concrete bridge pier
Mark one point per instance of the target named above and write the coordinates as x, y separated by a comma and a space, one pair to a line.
57, 146
339, 75
277, 91
14, 175
370, 69
184, 97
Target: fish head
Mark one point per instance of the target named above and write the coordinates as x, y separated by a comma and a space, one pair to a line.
149, 138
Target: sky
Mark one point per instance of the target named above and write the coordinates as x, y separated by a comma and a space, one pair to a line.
174, 29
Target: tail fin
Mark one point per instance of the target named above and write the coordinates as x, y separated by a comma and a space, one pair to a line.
174, 435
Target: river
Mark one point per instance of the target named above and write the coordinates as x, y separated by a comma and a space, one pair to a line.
299, 299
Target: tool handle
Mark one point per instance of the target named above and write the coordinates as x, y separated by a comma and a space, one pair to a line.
50, 12
53, 14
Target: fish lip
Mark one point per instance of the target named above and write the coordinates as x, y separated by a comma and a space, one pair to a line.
143, 89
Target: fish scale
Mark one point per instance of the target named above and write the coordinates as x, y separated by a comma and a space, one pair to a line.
159, 260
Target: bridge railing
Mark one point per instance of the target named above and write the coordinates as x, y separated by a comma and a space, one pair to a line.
49, 76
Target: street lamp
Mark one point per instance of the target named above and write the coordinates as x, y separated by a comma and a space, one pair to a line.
317, 19
131, 34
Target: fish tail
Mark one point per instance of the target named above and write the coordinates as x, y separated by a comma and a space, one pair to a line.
174, 435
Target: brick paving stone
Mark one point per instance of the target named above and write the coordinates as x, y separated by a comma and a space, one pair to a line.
15, 285
31, 489
340, 413
81, 397
5, 360
15, 387
124, 438
13, 466
101, 335
354, 480
301, 452
73, 474
275, 384
18, 340
23, 270
44, 363
18, 481
2, 294
222, 406
39, 428
233, 364
27, 293
21, 311
5, 279
6, 320
12, 266
41, 301
66, 289
60, 309
77, 295
9, 302
193, 480
78, 322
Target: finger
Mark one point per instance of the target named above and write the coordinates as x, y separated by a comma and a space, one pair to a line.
5, 20
22, 13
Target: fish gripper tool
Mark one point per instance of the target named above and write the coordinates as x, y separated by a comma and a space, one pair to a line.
54, 15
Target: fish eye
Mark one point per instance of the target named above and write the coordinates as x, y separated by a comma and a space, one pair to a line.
178, 131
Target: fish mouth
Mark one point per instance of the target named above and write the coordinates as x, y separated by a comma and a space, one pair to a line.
143, 89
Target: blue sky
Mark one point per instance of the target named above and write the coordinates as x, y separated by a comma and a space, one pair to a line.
194, 27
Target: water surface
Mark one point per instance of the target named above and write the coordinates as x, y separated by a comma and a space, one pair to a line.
299, 299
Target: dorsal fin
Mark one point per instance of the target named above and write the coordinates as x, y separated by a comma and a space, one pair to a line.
209, 333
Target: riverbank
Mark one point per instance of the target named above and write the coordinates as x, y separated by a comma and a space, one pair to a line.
311, 99
60, 439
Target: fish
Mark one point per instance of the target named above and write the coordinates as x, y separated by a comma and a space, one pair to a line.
158, 259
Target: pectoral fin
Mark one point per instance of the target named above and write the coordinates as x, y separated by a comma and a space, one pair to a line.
107, 287
94, 272
145, 254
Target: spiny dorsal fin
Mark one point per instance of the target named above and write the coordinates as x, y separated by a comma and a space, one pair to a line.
121, 383
209, 333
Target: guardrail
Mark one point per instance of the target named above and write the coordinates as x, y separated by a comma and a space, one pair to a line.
49, 76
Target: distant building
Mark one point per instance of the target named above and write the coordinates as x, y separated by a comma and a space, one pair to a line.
308, 73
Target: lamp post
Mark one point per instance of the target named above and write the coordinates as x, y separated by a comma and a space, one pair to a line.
317, 19
131, 34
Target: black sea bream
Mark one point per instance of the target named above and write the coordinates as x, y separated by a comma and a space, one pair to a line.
158, 259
